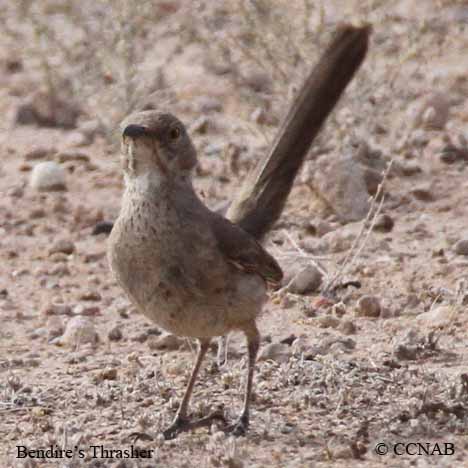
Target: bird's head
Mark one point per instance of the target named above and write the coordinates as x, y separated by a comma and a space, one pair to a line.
156, 145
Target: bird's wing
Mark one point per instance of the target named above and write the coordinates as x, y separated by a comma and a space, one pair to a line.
243, 251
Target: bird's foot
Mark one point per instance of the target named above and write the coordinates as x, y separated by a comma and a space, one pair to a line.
177, 426
136, 436
240, 427
180, 424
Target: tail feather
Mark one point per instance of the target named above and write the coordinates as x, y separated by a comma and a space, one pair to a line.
262, 198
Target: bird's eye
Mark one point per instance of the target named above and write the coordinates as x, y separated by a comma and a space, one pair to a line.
174, 133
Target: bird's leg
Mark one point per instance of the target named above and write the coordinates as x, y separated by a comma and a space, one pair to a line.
181, 422
253, 343
221, 355
181, 419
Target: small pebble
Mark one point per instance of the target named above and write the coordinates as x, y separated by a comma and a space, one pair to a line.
55, 327
39, 153
328, 321
57, 309
306, 281
347, 327
62, 246
437, 317
79, 331
423, 194
115, 334
48, 176
384, 223
461, 247
277, 352
90, 296
107, 374
368, 306
167, 342
72, 155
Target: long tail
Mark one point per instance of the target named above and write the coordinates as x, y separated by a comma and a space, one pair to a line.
263, 196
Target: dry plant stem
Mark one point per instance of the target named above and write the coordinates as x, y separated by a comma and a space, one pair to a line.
303, 254
357, 245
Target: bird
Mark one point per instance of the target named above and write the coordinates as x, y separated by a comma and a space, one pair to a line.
191, 270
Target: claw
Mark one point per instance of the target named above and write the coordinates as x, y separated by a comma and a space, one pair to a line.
136, 436
180, 425
239, 428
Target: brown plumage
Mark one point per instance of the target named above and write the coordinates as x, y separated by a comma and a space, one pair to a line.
188, 269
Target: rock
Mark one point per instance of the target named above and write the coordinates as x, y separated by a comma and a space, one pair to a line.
37, 213
289, 340
115, 334
461, 247
58, 257
39, 153
214, 149
449, 154
408, 169
332, 344
167, 342
423, 193
91, 128
338, 309
90, 296
259, 116
55, 327
418, 138
412, 345
327, 321
48, 176
257, 79
24, 167
102, 227
384, 223
47, 110
340, 239
62, 246
368, 306
79, 331
437, 317
201, 125
75, 139
60, 269
433, 112
107, 374
347, 327
277, 352
306, 281
301, 346
86, 311
17, 192
92, 257
338, 447
57, 309
341, 182
208, 104
372, 179
72, 155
